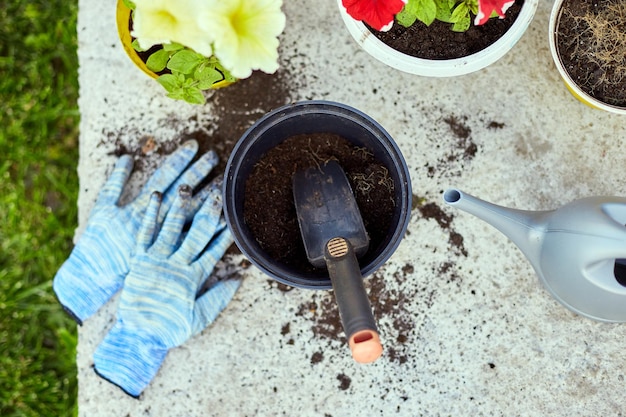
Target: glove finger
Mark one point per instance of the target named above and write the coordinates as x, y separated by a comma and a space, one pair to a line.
197, 201
204, 225
210, 304
216, 249
128, 358
149, 223
191, 177
200, 169
174, 222
112, 190
166, 175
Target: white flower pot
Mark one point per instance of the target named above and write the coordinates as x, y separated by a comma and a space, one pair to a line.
445, 67
567, 79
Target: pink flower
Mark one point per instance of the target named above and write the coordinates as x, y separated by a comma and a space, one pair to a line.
378, 14
486, 7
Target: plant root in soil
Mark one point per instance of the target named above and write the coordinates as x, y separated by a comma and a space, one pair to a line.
269, 210
594, 38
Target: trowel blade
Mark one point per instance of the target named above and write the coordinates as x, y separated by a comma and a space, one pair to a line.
326, 209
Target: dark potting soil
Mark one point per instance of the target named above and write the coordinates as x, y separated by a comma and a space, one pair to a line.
591, 41
269, 210
438, 41
239, 106
235, 108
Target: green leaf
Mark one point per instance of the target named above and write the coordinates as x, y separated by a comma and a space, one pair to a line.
129, 4
426, 11
461, 18
136, 47
185, 61
172, 46
444, 10
462, 25
444, 15
406, 18
460, 13
227, 75
190, 95
177, 94
169, 82
473, 6
206, 75
193, 96
158, 60
189, 82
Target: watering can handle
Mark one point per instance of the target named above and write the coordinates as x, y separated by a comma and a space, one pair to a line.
354, 306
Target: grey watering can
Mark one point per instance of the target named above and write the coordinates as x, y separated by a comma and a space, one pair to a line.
578, 250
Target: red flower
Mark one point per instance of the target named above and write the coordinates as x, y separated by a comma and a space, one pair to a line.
378, 14
486, 7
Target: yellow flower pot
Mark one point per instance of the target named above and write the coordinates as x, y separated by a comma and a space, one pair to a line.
123, 20
571, 85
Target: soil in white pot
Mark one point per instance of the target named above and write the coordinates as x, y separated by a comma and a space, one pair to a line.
438, 41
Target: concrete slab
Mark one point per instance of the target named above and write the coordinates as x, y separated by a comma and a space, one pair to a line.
468, 329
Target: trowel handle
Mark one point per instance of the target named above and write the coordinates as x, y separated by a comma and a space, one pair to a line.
354, 306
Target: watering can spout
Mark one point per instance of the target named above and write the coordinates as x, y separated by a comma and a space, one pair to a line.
520, 226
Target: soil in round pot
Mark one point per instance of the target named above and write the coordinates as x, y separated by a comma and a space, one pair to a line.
275, 226
591, 42
438, 41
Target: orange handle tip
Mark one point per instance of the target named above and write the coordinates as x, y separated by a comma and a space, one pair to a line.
365, 346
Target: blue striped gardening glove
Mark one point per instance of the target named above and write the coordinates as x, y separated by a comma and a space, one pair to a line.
96, 268
160, 307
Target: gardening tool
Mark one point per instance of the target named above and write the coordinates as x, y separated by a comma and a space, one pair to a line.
334, 236
578, 251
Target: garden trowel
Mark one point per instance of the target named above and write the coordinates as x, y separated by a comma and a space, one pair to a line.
334, 236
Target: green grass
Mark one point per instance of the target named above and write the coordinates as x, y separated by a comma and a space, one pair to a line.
38, 192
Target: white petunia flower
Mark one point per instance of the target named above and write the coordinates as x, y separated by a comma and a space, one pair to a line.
245, 33
163, 21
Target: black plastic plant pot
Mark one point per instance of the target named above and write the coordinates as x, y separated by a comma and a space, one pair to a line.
313, 117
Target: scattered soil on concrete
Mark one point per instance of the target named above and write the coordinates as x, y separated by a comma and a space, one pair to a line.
387, 302
438, 41
344, 382
461, 149
433, 211
316, 358
237, 107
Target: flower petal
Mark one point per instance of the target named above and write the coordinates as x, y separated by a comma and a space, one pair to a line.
247, 36
162, 21
486, 7
379, 14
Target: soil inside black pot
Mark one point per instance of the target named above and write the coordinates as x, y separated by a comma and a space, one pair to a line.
269, 210
438, 41
591, 41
